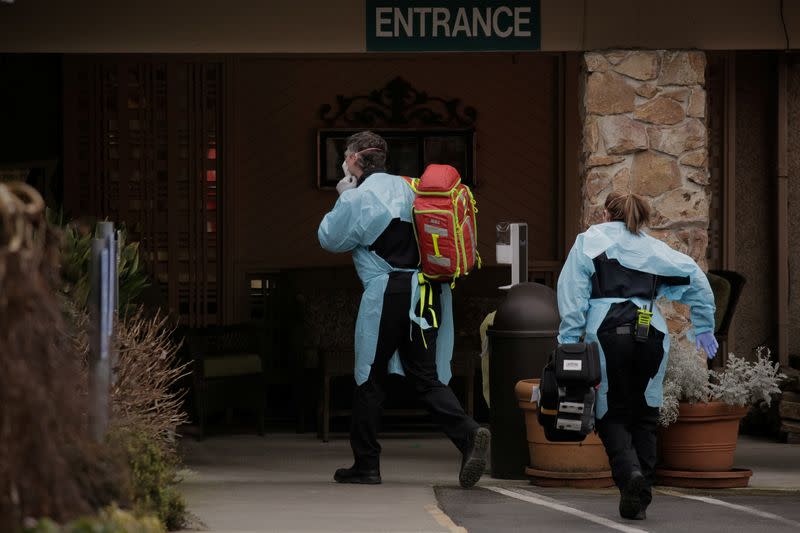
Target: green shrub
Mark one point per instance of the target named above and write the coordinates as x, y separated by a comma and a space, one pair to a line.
75, 261
154, 476
145, 407
109, 520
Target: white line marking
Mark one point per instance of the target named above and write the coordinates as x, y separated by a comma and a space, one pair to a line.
743, 508
532, 497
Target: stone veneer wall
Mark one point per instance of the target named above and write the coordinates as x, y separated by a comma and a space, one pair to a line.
644, 116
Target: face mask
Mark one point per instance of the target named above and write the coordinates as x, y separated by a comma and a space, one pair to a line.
347, 173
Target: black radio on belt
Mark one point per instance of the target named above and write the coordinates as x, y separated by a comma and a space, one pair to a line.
644, 316
642, 327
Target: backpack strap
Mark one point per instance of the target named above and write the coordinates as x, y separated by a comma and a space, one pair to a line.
474, 206
425, 289
412, 182
426, 304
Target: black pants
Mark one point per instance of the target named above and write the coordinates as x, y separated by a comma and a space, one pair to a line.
631, 445
628, 429
397, 332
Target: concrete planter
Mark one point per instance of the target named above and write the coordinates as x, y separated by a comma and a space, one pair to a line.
558, 464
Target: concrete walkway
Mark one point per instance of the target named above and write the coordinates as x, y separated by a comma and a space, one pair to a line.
283, 482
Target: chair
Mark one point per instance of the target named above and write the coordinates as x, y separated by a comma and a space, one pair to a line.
727, 287
330, 321
277, 309
228, 358
465, 360
339, 362
334, 362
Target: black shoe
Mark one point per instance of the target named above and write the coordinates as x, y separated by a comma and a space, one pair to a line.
641, 515
474, 463
352, 475
630, 505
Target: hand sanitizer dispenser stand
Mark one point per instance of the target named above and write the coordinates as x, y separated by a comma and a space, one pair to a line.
512, 249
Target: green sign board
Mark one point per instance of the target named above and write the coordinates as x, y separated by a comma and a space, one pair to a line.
452, 25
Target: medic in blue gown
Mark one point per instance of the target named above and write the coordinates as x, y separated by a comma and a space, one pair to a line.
612, 276
372, 220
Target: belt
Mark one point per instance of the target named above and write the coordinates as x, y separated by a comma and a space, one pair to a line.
625, 330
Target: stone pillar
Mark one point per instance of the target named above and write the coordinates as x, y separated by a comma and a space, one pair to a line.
644, 116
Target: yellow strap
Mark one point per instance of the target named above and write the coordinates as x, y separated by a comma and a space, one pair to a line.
433, 314
455, 277
426, 294
552, 412
412, 182
423, 289
435, 237
421, 300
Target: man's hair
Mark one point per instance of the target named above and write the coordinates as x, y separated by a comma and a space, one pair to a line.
631, 209
372, 160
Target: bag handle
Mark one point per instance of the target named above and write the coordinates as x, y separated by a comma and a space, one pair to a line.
653, 292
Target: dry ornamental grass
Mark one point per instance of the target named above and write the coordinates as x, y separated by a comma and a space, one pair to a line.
43, 449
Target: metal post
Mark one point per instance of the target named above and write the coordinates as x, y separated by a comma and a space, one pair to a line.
102, 313
106, 232
115, 305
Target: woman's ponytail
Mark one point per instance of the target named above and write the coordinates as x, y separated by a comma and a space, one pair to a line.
631, 209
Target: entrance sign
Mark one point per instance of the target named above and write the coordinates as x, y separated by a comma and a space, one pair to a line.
452, 25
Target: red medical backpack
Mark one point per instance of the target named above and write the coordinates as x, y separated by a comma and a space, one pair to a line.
445, 224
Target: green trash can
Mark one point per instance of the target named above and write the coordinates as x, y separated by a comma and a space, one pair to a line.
520, 341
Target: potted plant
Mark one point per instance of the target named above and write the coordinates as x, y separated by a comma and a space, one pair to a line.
701, 413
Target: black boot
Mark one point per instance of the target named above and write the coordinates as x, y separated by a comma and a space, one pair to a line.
353, 475
630, 504
474, 462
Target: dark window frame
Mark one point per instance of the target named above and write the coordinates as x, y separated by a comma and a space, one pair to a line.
329, 172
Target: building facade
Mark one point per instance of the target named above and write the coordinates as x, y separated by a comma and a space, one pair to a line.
209, 130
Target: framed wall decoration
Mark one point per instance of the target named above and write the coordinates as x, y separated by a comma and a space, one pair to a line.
410, 152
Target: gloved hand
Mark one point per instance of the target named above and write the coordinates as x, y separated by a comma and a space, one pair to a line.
346, 169
348, 182
708, 343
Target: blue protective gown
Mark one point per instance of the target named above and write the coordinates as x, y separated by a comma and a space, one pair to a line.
359, 217
582, 315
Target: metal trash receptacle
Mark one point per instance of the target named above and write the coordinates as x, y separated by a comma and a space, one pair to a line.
521, 339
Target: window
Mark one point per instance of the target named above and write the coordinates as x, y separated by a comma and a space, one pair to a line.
410, 151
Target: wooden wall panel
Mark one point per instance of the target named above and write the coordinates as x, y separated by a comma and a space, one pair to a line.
755, 201
141, 138
715, 90
277, 205
139, 133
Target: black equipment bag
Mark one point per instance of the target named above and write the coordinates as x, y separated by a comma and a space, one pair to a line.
567, 392
577, 363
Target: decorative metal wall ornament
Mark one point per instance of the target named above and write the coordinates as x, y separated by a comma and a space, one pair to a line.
398, 104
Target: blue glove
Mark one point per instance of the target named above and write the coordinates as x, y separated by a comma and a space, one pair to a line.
708, 343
